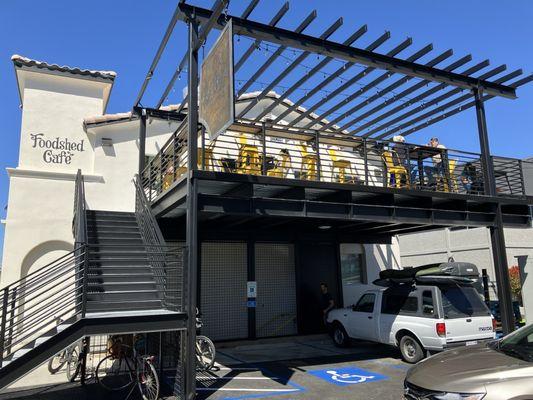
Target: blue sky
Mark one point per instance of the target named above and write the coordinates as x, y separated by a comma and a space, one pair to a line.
123, 35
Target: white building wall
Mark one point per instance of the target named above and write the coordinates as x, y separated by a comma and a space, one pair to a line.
377, 258
473, 245
53, 146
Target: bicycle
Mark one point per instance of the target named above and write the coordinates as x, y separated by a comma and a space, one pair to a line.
72, 357
205, 349
127, 368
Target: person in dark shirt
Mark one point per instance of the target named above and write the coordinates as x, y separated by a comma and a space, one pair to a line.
327, 303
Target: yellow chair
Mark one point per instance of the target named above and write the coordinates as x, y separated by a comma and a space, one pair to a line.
248, 161
308, 169
399, 172
442, 182
209, 159
339, 168
283, 165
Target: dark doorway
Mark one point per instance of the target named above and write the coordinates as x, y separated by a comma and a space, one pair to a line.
317, 263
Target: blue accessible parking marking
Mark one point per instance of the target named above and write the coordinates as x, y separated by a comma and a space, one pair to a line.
347, 376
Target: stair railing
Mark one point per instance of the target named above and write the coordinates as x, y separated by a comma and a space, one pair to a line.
40, 301
79, 230
166, 261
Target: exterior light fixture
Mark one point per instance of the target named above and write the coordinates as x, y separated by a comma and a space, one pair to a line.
324, 227
107, 142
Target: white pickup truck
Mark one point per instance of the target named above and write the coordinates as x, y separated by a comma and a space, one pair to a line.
417, 319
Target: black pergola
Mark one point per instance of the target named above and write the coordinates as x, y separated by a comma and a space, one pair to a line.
363, 91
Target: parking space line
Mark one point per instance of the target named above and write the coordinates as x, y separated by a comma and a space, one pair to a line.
251, 378
247, 390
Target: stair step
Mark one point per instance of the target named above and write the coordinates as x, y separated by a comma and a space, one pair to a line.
124, 295
116, 239
105, 212
119, 278
97, 306
111, 287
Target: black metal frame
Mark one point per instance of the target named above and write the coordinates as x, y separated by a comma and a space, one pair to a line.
478, 87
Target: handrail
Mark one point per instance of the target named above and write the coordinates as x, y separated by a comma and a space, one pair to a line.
160, 255
39, 302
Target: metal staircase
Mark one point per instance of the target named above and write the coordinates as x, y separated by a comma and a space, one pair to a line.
121, 277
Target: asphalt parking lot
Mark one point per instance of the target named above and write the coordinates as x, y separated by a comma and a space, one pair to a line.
296, 368
304, 368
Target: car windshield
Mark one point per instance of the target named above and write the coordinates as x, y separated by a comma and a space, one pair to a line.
518, 344
460, 302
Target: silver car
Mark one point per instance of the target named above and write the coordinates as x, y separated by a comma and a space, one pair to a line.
498, 370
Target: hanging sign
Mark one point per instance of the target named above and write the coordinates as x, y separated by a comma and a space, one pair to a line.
217, 90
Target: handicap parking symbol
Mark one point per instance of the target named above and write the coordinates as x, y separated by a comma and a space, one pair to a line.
347, 376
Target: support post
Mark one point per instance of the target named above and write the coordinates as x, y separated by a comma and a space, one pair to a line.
485, 280
264, 151
192, 212
251, 278
488, 169
318, 166
499, 254
142, 143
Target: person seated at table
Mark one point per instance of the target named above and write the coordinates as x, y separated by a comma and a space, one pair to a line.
471, 179
401, 150
438, 165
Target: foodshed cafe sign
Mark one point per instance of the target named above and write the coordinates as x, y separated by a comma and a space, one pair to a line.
57, 150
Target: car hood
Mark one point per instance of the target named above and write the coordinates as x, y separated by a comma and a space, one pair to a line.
468, 370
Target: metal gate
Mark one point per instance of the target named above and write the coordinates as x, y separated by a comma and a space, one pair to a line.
276, 289
223, 290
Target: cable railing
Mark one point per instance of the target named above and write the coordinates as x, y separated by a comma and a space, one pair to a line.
278, 152
40, 301
167, 262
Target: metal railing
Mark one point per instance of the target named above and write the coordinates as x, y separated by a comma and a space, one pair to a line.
327, 157
40, 301
167, 262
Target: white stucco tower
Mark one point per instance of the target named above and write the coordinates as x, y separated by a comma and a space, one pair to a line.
53, 146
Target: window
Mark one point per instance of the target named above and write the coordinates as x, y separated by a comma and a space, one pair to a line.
460, 302
398, 303
352, 263
427, 303
366, 303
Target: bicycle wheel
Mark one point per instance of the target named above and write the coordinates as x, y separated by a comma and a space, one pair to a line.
73, 362
205, 352
115, 373
148, 381
57, 362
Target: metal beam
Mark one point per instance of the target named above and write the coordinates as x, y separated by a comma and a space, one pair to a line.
391, 88
445, 106
383, 77
317, 68
327, 33
218, 7
425, 105
304, 42
421, 96
463, 107
142, 143
273, 22
374, 45
304, 24
192, 213
158, 54
246, 13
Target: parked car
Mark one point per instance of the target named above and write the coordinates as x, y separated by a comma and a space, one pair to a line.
415, 318
499, 370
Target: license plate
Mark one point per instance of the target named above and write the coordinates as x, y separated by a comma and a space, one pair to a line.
471, 343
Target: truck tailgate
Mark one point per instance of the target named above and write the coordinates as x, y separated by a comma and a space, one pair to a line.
469, 329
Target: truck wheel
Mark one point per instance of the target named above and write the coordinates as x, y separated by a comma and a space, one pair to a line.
412, 351
340, 337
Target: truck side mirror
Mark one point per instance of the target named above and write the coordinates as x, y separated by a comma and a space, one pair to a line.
354, 307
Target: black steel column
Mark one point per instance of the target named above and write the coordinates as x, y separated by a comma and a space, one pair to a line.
486, 161
142, 143
192, 212
251, 278
499, 254
499, 251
